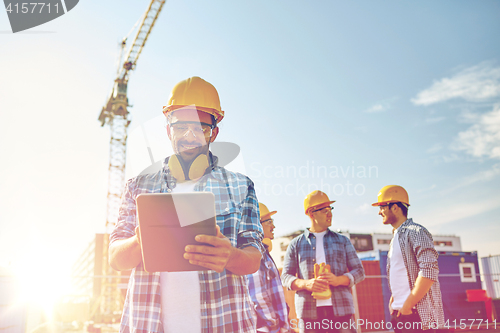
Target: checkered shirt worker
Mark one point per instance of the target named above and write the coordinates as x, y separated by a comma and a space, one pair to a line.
215, 300
412, 267
265, 285
319, 244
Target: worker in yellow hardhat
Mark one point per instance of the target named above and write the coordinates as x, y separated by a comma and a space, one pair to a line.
324, 297
412, 266
393, 195
265, 286
190, 301
267, 225
193, 127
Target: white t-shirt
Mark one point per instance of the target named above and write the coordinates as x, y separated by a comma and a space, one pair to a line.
321, 257
398, 276
180, 292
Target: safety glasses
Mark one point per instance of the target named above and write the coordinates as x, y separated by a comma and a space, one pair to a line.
324, 210
182, 128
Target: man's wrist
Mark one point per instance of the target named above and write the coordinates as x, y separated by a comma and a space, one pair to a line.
408, 304
338, 280
231, 256
243, 261
341, 280
299, 284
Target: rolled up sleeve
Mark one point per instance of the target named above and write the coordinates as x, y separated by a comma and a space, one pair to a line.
250, 231
356, 272
426, 254
290, 266
127, 221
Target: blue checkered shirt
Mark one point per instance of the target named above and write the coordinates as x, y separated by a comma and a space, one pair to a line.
224, 300
299, 263
268, 297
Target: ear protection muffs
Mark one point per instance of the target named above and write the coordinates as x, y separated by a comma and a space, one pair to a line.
194, 170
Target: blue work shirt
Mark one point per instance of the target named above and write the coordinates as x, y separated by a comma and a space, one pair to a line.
340, 255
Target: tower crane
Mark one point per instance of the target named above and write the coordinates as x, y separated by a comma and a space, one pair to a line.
115, 114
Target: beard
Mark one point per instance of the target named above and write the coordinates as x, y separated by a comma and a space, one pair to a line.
189, 151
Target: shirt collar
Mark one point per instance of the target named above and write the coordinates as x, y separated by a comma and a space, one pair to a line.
405, 223
308, 233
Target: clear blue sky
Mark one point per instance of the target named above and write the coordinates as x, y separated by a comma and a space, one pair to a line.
407, 90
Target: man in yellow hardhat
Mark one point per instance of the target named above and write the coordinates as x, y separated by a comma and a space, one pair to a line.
215, 300
320, 245
412, 267
265, 286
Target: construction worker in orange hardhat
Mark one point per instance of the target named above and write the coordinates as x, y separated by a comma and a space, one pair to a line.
265, 286
412, 266
193, 112
322, 266
227, 256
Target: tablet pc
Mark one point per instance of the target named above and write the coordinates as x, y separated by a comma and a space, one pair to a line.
170, 221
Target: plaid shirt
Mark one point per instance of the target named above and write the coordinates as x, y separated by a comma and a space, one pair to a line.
224, 300
340, 255
268, 297
421, 258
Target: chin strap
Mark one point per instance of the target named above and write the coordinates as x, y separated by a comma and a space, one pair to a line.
194, 170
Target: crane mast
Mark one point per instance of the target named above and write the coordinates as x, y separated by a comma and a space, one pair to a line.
115, 114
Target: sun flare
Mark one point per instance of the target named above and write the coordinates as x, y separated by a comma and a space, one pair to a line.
41, 283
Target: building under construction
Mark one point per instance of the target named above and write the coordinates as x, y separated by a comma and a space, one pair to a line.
104, 287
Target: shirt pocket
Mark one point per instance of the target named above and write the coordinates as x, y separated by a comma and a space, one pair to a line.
337, 259
227, 217
305, 262
225, 208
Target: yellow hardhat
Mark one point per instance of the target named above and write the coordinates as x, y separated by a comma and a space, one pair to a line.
198, 92
392, 193
264, 212
316, 199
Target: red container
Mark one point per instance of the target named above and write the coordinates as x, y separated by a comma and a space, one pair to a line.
370, 298
476, 295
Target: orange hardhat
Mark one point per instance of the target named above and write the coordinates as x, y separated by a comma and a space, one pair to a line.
316, 199
264, 212
198, 93
392, 193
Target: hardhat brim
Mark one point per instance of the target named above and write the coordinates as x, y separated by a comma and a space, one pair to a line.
383, 203
214, 112
265, 217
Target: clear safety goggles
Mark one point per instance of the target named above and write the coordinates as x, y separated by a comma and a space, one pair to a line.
182, 128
